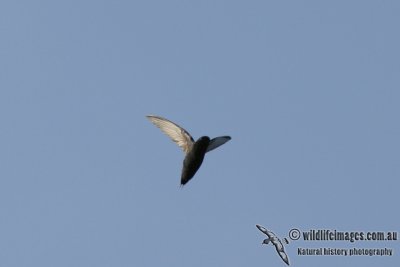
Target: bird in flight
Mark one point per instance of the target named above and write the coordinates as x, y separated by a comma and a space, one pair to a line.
194, 150
275, 241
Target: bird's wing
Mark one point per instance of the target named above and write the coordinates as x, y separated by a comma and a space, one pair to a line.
281, 250
179, 135
270, 234
278, 244
217, 141
284, 257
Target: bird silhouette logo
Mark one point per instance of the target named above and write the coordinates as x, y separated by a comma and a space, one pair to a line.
276, 242
194, 151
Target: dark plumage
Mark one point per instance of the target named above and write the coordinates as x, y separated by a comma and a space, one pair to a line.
194, 151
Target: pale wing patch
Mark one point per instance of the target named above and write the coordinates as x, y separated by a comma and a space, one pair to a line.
263, 229
177, 134
284, 257
217, 141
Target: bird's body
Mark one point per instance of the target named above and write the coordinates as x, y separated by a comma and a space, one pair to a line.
194, 158
194, 151
275, 241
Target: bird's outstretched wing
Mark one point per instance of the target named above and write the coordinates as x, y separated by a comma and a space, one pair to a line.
179, 135
276, 242
217, 141
284, 256
270, 234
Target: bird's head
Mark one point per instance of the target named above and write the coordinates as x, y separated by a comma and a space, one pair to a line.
204, 139
266, 241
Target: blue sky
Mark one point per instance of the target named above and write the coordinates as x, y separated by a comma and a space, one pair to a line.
308, 90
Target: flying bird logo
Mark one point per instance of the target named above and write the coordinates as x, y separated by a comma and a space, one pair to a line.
194, 151
276, 242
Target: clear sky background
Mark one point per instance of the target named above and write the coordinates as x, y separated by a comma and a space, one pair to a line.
308, 90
